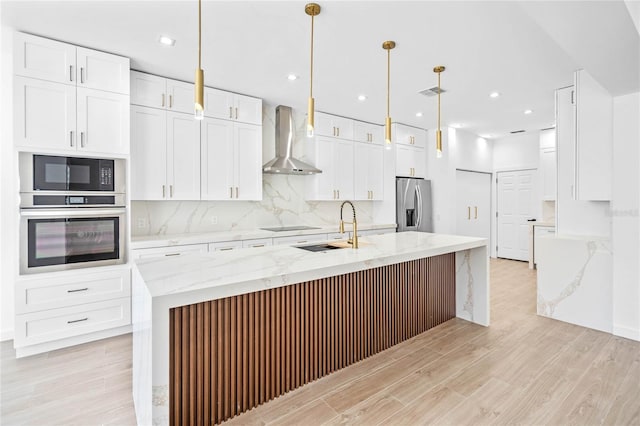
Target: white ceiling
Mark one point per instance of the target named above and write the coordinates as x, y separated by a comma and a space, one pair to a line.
524, 50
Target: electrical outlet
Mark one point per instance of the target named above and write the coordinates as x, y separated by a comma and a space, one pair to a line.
214, 220
142, 222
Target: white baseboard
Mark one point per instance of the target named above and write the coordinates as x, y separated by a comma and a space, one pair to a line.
626, 332
6, 335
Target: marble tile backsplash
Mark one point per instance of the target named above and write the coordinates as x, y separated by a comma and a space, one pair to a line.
283, 200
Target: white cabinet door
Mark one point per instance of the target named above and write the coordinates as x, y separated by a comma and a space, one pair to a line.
102, 71
247, 161
375, 172
173, 251
322, 185
247, 109
368, 171
218, 103
299, 239
180, 96
44, 114
407, 135
344, 127
103, 121
148, 153
148, 90
549, 173
594, 136
225, 245
217, 159
259, 242
323, 124
343, 169
44, 59
367, 132
183, 156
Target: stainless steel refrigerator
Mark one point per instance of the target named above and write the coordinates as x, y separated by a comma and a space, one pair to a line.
413, 205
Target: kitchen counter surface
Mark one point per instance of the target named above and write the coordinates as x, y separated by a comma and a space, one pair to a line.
149, 241
223, 274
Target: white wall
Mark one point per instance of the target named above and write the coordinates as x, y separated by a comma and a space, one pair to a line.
516, 152
625, 212
8, 189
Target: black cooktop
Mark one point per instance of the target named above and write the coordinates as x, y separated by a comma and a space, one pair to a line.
290, 228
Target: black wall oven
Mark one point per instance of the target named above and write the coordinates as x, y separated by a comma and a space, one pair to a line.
53, 240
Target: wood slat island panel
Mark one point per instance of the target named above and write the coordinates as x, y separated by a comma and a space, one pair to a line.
232, 354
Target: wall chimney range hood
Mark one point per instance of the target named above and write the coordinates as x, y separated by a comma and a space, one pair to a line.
285, 163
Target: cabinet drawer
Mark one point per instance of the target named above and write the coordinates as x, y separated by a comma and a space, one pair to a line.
298, 239
55, 324
225, 245
169, 251
38, 295
260, 242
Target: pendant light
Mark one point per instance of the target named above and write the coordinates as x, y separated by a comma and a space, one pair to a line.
388, 45
438, 70
199, 86
311, 9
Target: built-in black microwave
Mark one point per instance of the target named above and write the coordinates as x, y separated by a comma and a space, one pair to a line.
58, 181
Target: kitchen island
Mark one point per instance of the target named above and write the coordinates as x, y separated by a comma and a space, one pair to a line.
218, 333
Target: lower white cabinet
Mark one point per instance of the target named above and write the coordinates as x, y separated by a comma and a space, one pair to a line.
298, 239
65, 304
168, 251
165, 155
410, 161
258, 242
368, 171
225, 245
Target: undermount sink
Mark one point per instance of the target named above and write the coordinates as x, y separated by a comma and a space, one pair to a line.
319, 247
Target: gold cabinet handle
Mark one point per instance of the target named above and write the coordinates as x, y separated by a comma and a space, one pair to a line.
81, 75
163, 191
236, 113
338, 130
468, 212
71, 138
170, 191
476, 208
162, 100
170, 101
82, 139
334, 131
225, 248
70, 72
230, 112
334, 194
258, 245
237, 192
230, 192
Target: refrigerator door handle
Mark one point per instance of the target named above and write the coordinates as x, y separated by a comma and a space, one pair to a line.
418, 207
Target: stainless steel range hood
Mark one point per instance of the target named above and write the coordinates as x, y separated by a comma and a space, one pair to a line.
285, 163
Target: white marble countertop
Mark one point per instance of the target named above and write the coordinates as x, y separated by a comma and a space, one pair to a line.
215, 275
542, 223
150, 241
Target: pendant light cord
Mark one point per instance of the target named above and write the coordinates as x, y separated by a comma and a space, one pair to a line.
438, 100
388, 78
311, 79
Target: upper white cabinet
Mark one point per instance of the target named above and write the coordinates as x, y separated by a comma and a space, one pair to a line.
548, 170
54, 61
231, 160
593, 139
159, 92
335, 158
410, 161
333, 126
368, 171
165, 155
367, 132
69, 99
232, 106
407, 135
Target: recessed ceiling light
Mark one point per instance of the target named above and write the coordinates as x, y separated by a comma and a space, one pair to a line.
418, 114
528, 111
167, 41
292, 77
362, 98
494, 94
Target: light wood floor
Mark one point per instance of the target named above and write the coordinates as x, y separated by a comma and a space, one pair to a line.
524, 369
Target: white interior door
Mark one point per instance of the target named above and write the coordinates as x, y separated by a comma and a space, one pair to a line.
473, 204
516, 192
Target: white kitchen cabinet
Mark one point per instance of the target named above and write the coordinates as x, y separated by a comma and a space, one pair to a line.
299, 239
258, 242
368, 132
54, 117
593, 139
58, 62
408, 135
231, 160
335, 158
410, 161
165, 155
549, 173
368, 171
232, 106
159, 92
156, 252
225, 245
333, 126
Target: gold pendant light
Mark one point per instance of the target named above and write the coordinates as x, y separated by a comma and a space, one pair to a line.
199, 86
311, 9
388, 45
438, 70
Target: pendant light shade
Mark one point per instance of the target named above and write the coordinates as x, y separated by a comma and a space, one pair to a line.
439, 69
199, 79
311, 9
388, 45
